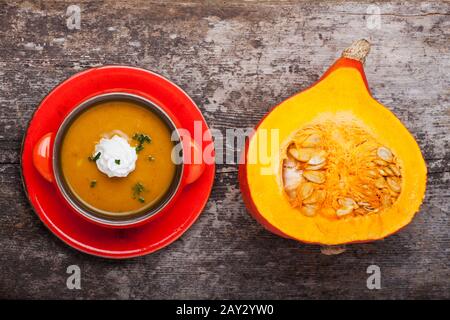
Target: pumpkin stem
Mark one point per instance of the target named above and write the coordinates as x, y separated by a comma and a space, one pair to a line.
357, 51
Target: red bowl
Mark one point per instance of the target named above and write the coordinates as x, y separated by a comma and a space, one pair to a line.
46, 159
54, 209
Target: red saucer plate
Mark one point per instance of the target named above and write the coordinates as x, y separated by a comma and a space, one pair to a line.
52, 208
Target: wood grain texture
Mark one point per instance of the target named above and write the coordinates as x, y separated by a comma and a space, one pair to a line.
236, 60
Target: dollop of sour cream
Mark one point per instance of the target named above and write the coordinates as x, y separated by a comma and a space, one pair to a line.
117, 158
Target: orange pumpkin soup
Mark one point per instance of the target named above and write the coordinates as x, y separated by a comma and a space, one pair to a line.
145, 132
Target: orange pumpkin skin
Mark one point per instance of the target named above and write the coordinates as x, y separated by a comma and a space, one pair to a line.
243, 173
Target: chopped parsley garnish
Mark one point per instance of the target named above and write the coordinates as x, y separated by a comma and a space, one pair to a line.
117, 161
93, 183
138, 188
95, 158
141, 139
139, 148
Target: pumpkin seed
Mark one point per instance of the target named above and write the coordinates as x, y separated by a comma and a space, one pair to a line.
316, 167
312, 140
380, 162
314, 176
300, 154
393, 193
293, 152
305, 154
292, 194
388, 171
386, 200
344, 211
384, 154
317, 158
380, 183
370, 209
393, 184
395, 170
309, 210
310, 200
347, 202
317, 196
305, 190
372, 173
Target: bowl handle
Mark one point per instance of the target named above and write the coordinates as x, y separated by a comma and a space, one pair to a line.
194, 163
42, 158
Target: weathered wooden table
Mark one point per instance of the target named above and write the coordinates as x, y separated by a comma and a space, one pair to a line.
236, 60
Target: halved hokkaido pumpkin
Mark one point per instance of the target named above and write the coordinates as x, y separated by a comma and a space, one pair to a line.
331, 165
